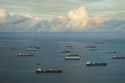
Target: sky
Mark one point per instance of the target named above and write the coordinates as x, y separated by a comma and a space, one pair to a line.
62, 15
49, 8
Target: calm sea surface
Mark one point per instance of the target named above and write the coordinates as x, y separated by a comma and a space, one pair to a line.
14, 69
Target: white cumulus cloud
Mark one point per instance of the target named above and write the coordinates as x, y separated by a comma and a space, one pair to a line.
76, 20
79, 20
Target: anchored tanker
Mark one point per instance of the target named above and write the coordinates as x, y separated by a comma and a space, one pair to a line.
72, 57
49, 70
118, 57
91, 63
24, 54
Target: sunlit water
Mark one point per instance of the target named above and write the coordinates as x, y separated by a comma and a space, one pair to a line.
15, 69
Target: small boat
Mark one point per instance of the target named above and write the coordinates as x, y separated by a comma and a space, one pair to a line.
72, 57
118, 57
24, 54
49, 70
90, 63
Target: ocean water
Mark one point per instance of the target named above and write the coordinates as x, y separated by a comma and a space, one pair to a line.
15, 69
